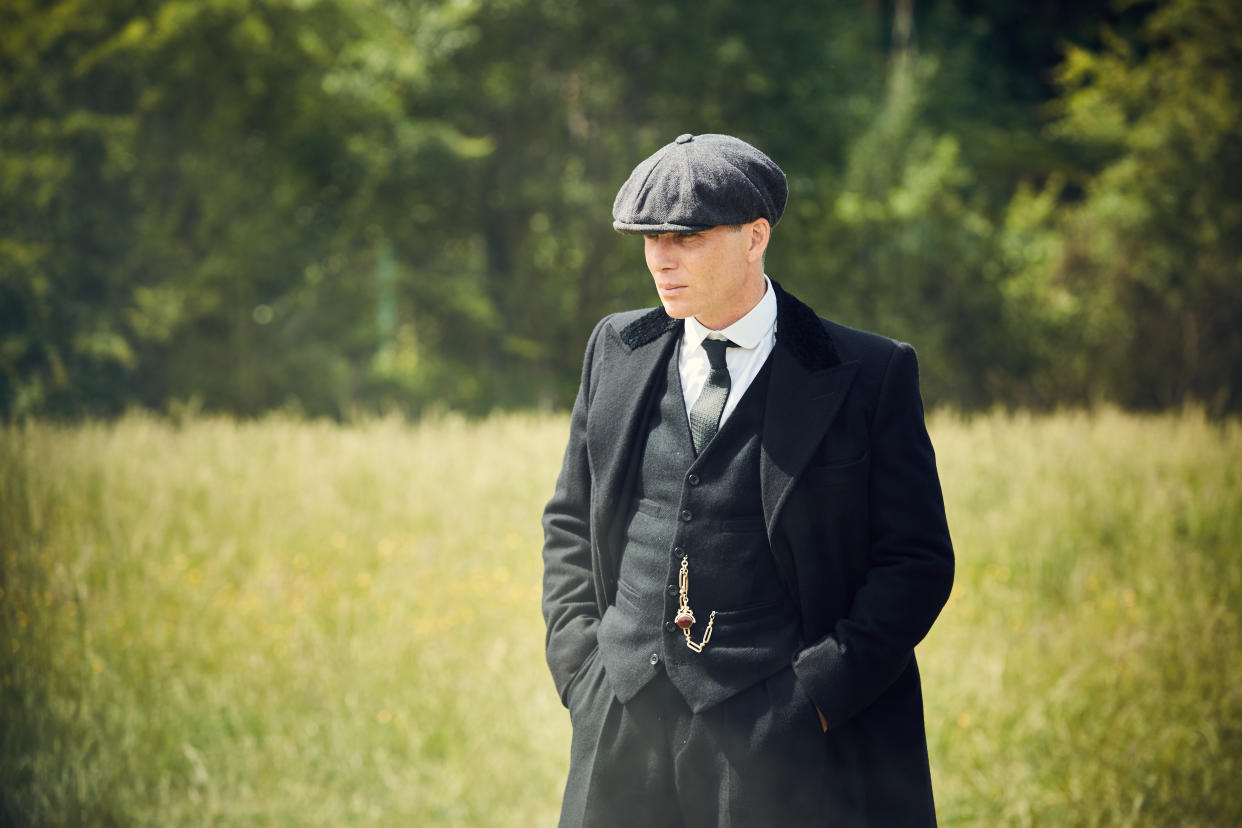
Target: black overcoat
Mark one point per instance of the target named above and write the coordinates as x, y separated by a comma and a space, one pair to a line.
855, 520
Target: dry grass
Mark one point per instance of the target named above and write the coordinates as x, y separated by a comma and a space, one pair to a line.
289, 623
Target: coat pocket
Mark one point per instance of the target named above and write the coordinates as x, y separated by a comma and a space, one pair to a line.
853, 472
576, 682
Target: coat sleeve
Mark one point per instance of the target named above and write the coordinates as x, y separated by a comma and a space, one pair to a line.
570, 609
910, 560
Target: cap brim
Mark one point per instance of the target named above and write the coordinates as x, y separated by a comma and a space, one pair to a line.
650, 229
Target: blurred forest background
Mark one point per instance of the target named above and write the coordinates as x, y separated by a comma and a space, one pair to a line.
334, 207
272, 233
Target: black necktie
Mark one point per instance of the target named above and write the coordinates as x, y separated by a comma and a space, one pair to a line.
705, 414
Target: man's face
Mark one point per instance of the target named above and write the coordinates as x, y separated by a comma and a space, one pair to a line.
707, 275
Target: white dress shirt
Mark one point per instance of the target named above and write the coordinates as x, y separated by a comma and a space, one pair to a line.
754, 334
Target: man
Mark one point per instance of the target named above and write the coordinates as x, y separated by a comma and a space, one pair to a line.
747, 538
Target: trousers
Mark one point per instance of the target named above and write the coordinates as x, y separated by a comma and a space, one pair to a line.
756, 759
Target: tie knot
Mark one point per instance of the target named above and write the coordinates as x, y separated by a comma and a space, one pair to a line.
716, 351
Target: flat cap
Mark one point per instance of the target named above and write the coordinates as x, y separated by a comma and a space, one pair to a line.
698, 182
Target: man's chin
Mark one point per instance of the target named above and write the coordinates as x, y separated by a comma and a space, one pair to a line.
676, 309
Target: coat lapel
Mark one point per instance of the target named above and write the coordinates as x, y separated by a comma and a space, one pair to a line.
637, 355
808, 385
801, 405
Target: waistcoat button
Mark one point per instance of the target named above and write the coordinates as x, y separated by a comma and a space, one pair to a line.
655, 659
686, 515
693, 479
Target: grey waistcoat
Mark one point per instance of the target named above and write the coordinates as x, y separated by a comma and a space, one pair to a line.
709, 509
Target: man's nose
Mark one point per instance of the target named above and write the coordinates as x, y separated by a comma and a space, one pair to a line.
659, 255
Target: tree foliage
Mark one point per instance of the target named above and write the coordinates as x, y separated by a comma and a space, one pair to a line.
332, 205
1156, 245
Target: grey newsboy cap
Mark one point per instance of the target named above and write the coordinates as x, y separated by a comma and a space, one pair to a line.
698, 182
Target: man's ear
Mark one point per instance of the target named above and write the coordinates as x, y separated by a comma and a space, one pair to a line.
759, 234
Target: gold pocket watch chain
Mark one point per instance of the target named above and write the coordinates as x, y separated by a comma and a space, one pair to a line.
685, 615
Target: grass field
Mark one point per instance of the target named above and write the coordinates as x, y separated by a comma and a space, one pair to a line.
286, 623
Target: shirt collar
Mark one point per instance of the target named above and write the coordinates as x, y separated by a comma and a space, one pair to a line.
747, 332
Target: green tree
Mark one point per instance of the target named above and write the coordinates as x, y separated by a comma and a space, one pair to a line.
334, 205
194, 194
1156, 245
